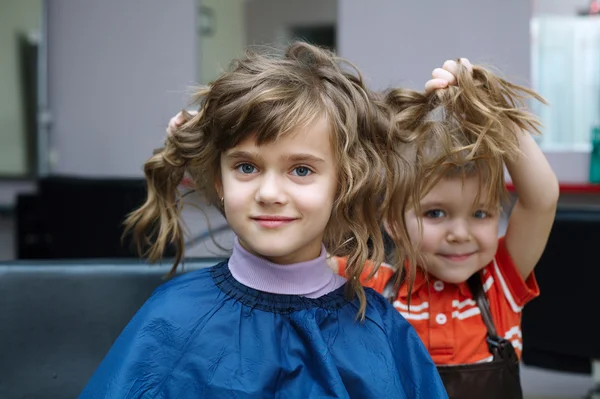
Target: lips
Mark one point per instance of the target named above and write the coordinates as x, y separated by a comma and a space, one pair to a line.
458, 257
272, 221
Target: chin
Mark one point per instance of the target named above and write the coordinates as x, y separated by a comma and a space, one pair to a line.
454, 276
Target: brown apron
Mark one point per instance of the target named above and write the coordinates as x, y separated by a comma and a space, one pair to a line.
497, 379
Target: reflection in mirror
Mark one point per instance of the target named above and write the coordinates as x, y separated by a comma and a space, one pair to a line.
220, 36
20, 23
323, 35
225, 28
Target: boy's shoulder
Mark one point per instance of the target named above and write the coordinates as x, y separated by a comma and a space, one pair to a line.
376, 282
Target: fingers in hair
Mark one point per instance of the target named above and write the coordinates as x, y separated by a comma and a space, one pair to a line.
444, 74
467, 64
435, 84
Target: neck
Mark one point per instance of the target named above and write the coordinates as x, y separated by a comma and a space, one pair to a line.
311, 279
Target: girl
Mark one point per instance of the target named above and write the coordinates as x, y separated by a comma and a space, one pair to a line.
471, 285
290, 149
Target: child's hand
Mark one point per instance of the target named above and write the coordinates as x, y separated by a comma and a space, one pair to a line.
446, 75
177, 121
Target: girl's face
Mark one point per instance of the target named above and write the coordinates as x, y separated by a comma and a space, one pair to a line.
278, 197
458, 236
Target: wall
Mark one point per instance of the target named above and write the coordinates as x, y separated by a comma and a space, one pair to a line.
396, 44
16, 17
117, 71
559, 7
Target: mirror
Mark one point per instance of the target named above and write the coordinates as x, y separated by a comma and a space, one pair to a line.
20, 23
225, 28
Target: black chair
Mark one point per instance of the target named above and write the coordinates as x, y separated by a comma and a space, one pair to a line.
58, 320
559, 327
77, 218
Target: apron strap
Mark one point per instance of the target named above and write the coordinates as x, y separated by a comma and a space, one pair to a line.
476, 288
498, 347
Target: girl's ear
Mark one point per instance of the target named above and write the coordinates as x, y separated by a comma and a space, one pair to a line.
219, 187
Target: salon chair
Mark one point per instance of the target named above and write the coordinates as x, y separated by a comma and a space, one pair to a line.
58, 319
560, 328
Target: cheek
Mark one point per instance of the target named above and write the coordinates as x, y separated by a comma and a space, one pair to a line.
423, 236
412, 224
433, 234
235, 203
314, 201
488, 236
236, 194
319, 196
330, 189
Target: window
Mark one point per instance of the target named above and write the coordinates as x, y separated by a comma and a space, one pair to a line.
565, 70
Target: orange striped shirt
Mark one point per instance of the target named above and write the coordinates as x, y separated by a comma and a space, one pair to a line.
447, 318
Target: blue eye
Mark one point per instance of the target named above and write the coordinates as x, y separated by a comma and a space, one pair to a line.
302, 171
481, 214
245, 168
435, 214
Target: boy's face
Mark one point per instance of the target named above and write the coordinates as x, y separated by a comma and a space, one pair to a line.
458, 237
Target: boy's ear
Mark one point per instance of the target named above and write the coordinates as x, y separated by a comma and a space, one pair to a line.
386, 227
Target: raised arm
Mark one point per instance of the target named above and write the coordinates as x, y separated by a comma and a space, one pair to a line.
532, 216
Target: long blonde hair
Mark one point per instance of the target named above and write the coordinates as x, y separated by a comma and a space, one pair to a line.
270, 95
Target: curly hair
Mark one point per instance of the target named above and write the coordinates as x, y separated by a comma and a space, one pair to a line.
268, 96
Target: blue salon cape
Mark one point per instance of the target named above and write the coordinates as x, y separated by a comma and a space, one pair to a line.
205, 335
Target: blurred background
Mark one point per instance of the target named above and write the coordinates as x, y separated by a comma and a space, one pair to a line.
87, 88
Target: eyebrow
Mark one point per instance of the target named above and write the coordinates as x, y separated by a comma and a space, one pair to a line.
239, 155
303, 158
433, 204
439, 204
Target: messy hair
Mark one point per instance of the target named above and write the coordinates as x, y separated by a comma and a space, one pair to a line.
266, 96
467, 130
